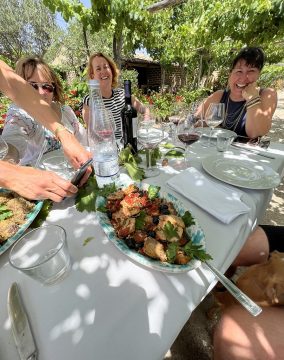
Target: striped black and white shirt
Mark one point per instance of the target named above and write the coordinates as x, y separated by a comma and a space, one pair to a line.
115, 104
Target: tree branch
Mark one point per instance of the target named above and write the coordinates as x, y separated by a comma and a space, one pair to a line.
163, 4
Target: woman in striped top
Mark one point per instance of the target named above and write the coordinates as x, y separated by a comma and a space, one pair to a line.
104, 69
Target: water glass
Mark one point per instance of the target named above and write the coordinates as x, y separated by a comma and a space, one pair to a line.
42, 254
223, 142
60, 165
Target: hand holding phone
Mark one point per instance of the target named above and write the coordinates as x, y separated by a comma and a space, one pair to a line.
81, 172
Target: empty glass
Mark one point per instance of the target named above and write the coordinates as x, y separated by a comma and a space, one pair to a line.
214, 116
59, 165
224, 141
42, 254
149, 134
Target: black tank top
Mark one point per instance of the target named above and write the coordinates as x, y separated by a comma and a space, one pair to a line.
236, 114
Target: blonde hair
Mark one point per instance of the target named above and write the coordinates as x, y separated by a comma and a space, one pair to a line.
26, 67
112, 64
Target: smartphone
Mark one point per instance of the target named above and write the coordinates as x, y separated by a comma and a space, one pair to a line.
81, 172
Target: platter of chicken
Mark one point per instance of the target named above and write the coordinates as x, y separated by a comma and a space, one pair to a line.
152, 228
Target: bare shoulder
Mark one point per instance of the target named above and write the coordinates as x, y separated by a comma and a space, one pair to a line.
269, 94
215, 97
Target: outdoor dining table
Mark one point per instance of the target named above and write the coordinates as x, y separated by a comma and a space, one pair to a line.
112, 308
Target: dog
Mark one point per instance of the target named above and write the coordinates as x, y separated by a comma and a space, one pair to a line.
263, 283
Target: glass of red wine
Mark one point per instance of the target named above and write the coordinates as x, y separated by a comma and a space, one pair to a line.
188, 132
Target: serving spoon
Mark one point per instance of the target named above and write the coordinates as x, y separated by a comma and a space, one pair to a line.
242, 298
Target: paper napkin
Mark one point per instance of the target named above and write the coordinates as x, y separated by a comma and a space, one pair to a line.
222, 202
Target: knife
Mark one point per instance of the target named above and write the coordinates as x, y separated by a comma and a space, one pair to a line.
20, 325
254, 151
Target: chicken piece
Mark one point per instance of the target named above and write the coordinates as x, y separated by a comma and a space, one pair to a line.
118, 195
173, 219
127, 228
181, 258
154, 249
119, 216
131, 189
161, 235
177, 223
133, 203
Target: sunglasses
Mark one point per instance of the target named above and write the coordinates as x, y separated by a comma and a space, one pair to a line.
45, 86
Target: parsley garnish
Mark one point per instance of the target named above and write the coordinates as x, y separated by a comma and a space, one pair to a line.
188, 219
140, 220
172, 252
196, 251
5, 213
170, 231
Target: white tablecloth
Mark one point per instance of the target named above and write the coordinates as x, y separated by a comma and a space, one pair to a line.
110, 308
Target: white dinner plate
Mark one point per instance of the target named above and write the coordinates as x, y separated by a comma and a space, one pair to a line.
245, 173
22, 228
206, 132
196, 233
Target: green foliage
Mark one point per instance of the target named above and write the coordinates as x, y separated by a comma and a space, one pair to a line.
132, 75
130, 162
272, 76
26, 27
88, 193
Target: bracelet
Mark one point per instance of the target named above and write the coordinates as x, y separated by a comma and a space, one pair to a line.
59, 129
253, 101
253, 104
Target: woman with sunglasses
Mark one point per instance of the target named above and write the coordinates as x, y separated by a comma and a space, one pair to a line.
27, 181
23, 131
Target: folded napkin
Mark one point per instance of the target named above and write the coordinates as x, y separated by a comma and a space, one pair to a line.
222, 202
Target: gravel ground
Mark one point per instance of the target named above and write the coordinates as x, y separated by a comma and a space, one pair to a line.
195, 340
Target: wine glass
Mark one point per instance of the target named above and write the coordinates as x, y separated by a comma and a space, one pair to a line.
3, 148
149, 134
188, 132
214, 116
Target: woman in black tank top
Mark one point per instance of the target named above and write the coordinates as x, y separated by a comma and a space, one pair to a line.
248, 110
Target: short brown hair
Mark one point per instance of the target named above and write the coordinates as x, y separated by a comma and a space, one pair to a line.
25, 67
112, 64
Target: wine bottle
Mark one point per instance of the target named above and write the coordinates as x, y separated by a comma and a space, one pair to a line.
129, 119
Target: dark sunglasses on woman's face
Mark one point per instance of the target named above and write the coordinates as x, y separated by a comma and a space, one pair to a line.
45, 86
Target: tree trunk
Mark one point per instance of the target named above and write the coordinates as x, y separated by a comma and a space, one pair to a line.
117, 43
200, 69
86, 41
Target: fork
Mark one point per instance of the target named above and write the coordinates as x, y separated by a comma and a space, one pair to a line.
242, 298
